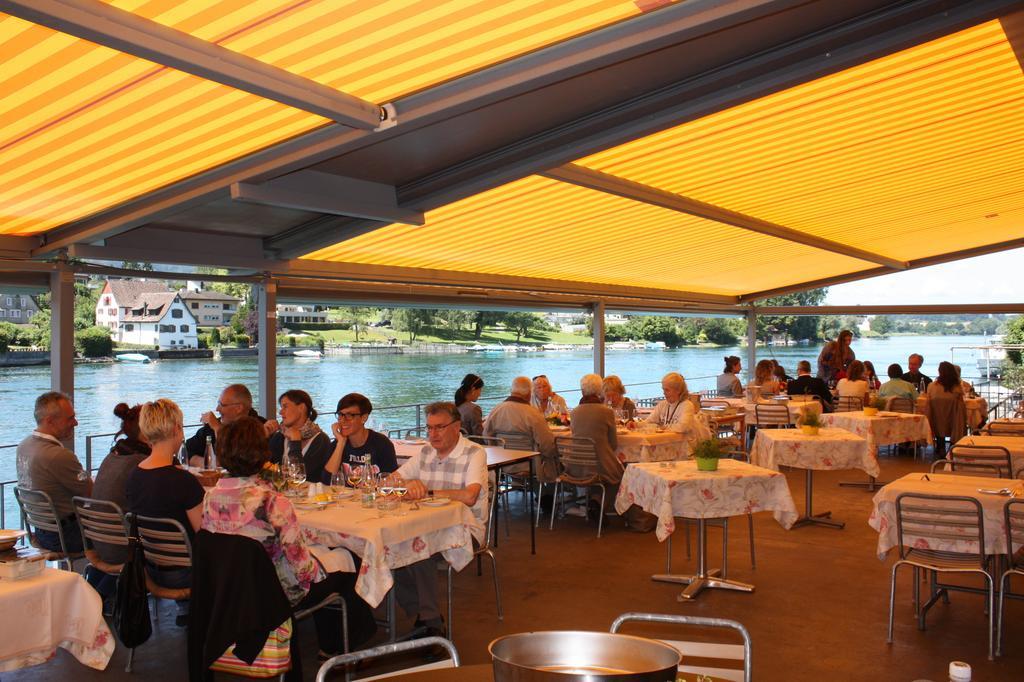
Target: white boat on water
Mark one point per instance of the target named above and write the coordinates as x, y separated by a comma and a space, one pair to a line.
308, 354
132, 357
655, 345
488, 348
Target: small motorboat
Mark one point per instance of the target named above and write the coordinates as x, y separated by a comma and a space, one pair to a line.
132, 357
308, 354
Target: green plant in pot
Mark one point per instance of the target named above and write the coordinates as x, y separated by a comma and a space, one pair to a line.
811, 423
707, 453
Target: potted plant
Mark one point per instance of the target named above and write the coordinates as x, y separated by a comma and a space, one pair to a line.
811, 423
707, 453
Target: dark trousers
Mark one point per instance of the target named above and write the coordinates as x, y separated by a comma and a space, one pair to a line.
173, 579
361, 625
50, 540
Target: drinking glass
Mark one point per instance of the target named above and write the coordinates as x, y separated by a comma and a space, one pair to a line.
338, 480
355, 476
296, 471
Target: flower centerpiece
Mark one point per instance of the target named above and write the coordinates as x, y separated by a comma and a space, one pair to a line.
811, 423
872, 404
559, 420
707, 453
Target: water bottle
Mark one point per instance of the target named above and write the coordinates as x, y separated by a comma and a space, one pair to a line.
209, 457
369, 492
181, 459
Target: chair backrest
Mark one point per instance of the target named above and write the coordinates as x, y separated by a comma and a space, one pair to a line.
712, 393
514, 440
714, 403
384, 650
771, 414
924, 520
38, 512
849, 403
900, 404
997, 428
577, 452
164, 541
964, 457
1014, 522
702, 650
945, 466
647, 402
100, 521
488, 440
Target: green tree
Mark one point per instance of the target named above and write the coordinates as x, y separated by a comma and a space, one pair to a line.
137, 265
792, 326
8, 335
240, 290
721, 331
94, 342
522, 323
482, 319
215, 336
655, 328
413, 321
1014, 336
881, 324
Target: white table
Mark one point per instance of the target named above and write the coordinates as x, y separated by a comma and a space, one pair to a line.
50, 610
830, 449
885, 428
883, 516
796, 407
643, 446
670, 489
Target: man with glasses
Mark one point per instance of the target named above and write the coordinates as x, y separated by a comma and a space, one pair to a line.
449, 466
356, 445
234, 403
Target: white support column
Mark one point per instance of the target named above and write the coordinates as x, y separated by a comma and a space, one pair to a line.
751, 340
62, 334
598, 325
267, 308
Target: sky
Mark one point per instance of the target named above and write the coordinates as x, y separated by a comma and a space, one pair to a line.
995, 278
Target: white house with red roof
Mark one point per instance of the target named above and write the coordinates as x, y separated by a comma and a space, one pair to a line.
147, 314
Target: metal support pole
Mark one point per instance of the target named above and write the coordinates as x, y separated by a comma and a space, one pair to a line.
598, 323
62, 333
751, 340
267, 293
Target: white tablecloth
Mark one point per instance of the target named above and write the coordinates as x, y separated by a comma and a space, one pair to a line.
392, 541
883, 516
887, 428
675, 489
796, 407
830, 449
50, 610
638, 446
1015, 445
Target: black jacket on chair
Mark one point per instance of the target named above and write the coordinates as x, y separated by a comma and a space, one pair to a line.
808, 385
236, 599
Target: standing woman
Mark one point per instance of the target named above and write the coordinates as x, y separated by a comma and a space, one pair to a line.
300, 436
835, 357
465, 399
729, 380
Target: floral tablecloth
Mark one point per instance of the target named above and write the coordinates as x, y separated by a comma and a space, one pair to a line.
50, 610
652, 447
886, 428
977, 410
830, 449
1014, 444
671, 489
883, 516
392, 541
796, 407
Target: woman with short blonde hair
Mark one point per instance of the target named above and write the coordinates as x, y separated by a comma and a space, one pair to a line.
615, 397
160, 420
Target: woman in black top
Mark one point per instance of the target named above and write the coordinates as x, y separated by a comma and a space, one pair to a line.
303, 436
356, 445
159, 488
465, 399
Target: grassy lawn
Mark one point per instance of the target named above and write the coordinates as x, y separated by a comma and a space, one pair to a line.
490, 335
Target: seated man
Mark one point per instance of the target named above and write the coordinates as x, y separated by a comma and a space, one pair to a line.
450, 466
805, 384
914, 375
234, 403
594, 420
547, 401
897, 386
44, 464
515, 415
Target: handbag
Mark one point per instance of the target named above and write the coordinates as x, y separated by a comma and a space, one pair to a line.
273, 659
131, 605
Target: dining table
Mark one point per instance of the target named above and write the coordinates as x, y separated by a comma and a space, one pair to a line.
976, 408
829, 448
1013, 444
798, 407
53, 609
882, 428
883, 513
679, 489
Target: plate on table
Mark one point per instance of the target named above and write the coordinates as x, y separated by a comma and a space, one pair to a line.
8, 538
622, 430
307, 504
435, 501
556, 428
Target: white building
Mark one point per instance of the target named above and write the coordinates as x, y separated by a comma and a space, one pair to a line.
159, 319
298, 314
210, 308
118, 297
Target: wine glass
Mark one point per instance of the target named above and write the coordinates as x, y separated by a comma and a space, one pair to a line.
338, 480
296, 470
355, 476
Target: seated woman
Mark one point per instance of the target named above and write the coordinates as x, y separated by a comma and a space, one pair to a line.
853, 385
764, 376
111, 485
781, 378
595, 420
729, 381
242, 504
356, 445
677, 412
159, 488
897, 386
615, 397
870, 376
300, 436
466, 396
947, 413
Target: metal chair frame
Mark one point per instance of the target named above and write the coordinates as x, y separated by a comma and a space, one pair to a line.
1014, 524
37, 511
516, 479
943, 518
1004, 429
900, 404
100, 521
388, 650
478, 553
725, 652
578, 452
967, 457
849, 403
945, 466
772, 415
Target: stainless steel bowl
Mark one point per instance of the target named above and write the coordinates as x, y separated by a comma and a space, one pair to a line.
572, 656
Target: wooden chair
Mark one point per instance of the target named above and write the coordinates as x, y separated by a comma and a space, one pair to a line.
38, 512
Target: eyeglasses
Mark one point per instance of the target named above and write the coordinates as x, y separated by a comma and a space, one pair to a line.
349, 416
442, 427
221, 405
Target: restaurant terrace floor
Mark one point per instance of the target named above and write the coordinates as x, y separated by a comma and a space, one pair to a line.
818, 612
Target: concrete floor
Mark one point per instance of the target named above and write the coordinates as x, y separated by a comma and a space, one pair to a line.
818, 613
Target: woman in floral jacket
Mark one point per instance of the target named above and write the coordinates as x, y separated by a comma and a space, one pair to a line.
242, 503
